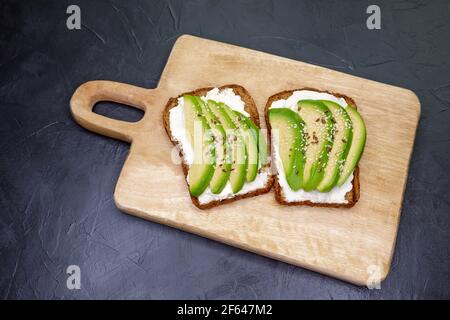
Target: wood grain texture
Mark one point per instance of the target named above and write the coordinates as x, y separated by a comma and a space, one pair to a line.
342, 243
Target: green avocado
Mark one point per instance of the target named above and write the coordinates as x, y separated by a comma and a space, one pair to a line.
238, 156
202, 169
222, 167
319, 140
262, 143
342, 132
250, 140
287, 131
357, 145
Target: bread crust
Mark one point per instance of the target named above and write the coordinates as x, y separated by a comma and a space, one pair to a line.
250, 107
352, 196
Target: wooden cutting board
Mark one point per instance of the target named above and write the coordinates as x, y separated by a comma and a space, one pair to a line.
354, 244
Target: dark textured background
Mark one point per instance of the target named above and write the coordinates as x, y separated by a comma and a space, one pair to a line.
57, 179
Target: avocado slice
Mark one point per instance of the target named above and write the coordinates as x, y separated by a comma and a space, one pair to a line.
262, 143
238, 156
222, 167
250, 140
342, 141
357, 145
319, 140
287, 127
202, 169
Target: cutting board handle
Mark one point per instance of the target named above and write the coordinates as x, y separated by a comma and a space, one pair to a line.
89, 93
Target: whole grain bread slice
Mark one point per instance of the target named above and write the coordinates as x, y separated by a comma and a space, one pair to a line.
250, 107
352, 196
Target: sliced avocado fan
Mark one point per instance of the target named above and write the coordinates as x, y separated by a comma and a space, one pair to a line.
319, 140
238, 158
202, 169
342, 140
357, 145
250, 141
222, 167
288, 136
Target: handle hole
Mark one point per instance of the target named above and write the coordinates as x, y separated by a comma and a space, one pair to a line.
118, 111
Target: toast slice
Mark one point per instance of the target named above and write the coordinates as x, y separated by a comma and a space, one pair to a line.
251, 109
351, 197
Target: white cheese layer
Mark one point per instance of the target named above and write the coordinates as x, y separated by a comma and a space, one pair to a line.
260, 181
228, 97
335, 195
296, 96
179, 132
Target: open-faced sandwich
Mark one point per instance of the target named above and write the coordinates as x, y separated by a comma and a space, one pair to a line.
317, 140
224, 153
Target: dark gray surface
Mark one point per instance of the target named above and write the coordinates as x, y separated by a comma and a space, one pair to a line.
57, 179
